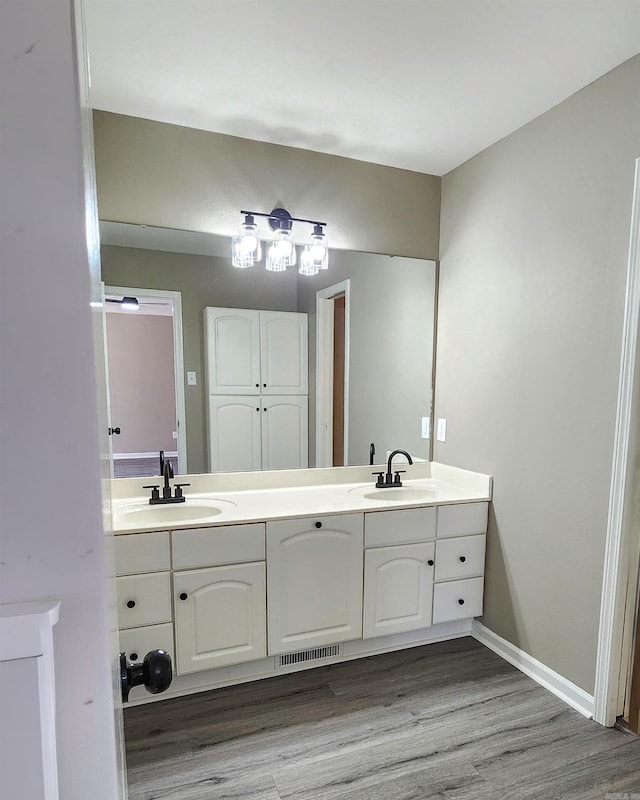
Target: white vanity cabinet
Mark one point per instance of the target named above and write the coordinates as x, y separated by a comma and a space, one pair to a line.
459, 561
314, 581
398, 571
219, 585
143, 590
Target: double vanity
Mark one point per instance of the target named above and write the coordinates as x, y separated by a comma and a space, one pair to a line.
261, 573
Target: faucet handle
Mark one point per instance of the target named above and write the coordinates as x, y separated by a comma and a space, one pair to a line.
155, 491
178, 488
380, 482
396, 480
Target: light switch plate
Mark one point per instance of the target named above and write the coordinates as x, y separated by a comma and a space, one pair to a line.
441, 435
191, 378
425, 428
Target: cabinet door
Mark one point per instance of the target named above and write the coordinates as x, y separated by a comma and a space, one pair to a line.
285, 432
232, 343
283, 347
314, 581
220, 616
398, 586
234, 434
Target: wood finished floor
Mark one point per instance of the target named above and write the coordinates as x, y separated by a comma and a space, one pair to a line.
449, 720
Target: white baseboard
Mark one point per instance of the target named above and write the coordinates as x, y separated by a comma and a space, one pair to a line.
567, 691
191, 683
154, 454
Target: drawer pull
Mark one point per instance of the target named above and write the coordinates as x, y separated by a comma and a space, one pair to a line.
183, 595
430, 562
131, 603
318, 524
463, 559
461, 601
133, 656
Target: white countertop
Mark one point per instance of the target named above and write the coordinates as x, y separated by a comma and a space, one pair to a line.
259, 496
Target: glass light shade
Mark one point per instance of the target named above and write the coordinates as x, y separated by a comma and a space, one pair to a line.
245, 247
307, 264
316, 254
282, 252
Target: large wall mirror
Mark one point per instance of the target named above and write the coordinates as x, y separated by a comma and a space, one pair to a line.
390, 342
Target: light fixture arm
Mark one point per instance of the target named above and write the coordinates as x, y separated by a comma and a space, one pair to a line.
278, 215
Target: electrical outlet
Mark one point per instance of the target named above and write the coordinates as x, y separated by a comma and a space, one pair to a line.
191, 378
426, 433
442, 430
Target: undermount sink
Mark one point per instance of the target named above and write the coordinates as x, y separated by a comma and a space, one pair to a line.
401, 494
140, 513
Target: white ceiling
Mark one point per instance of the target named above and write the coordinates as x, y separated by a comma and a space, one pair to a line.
418, 84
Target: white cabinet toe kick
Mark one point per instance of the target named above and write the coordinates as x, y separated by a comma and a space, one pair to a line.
233, 603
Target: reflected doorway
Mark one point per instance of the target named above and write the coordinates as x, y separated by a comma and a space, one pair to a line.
332, 375
146, 391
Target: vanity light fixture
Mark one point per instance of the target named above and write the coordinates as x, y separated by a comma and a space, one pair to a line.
281, 250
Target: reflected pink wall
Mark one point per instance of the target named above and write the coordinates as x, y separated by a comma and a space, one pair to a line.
142, 382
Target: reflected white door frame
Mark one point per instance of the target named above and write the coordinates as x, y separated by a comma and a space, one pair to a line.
178, 359
324, 371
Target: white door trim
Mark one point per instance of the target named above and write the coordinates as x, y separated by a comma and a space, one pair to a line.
178, 359
616, 561
324, 371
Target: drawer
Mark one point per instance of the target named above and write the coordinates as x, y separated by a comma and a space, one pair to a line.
463, 519
143, 600
136, 642
457, 600
212, 547
462, 557
142, 552
405, 526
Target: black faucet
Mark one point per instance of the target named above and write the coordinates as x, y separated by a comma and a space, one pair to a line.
389, 481
167, 497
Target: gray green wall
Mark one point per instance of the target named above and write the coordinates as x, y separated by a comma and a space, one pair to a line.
391, 322
173, 177
204, 281
534, 246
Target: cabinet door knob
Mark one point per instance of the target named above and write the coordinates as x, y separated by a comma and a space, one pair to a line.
461, 601
264, 385
430, 562
318, 524
133, 656
131, 603
463, 559
183, 595
257, 385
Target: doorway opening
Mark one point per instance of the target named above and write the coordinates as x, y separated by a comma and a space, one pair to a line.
332, 375
146, 389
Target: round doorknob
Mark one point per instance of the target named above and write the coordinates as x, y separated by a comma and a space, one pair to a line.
131, 603
183, 595
155, 673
